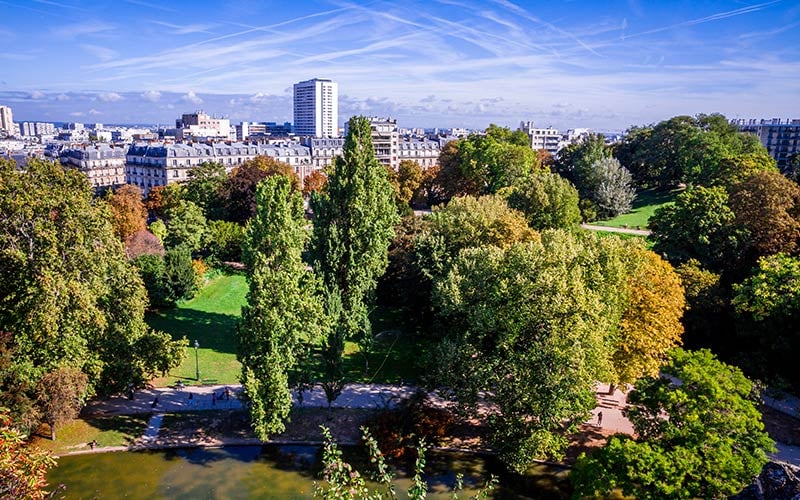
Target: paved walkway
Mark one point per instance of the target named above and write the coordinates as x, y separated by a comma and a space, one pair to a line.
637, 232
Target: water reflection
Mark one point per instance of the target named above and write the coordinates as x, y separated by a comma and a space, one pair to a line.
243, 472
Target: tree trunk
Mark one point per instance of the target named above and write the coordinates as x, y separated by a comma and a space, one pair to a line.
52, 431
611, 388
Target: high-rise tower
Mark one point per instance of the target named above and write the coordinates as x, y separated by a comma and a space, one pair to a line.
316, 108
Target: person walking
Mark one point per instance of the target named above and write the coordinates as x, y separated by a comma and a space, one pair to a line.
599, 419
213, 398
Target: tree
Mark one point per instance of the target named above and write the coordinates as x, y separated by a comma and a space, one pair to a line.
735, 169
529, 328
129, 212
706, 302
354, 219
160, 199
143, 243
203, 188
159, 230
767, 205
23, 468
612, 187
186, 226
409, 178
68, 295
699, 225
698, 435
225, 240
238, 192
314, 182
274, 325
575, 161
61, 395
548, 201
180, 278
651, 321
768, 307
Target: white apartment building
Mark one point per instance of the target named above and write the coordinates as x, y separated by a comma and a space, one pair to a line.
158, 164
316, 108
324, 151
7, 121
102, 164
424, 152
385, 139
200, 124
780, 137
542, 138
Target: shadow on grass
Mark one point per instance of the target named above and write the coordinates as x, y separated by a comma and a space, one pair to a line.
212, 330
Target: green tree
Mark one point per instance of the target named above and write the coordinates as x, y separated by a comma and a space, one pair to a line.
576, 161
698, 435
735, 169
159, 229
529, 328
225, 240
405, 182
548, 201
354, 217
68, 294
204, 186
699, 225
186, 226
180, 277
767, 305
274, 325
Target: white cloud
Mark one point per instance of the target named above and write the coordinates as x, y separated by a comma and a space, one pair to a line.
102, 53
94, 112
109, 97
36, 95
151, 95
75, 30
77, 113
62, 97
192, 98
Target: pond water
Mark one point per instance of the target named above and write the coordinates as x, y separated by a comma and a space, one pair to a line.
272, 471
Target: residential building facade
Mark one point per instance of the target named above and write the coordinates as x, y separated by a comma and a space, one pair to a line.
324, 151
103, 165
548, 138
780, 137
424, 152
316, 108
7, 121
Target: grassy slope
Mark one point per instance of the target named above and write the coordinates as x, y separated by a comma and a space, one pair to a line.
644, 206
107, 431
211, 319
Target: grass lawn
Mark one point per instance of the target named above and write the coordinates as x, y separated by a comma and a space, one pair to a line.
119, 430
647, 241
644, 206
211, 319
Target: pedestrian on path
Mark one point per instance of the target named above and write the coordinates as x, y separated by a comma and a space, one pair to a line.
599, 419
227, 393
213, 398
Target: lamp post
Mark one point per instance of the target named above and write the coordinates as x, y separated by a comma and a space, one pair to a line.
196, 360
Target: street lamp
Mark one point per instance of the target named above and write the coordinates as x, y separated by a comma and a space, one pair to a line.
196, 360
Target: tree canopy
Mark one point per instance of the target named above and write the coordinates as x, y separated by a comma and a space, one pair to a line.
548, 201
698, 435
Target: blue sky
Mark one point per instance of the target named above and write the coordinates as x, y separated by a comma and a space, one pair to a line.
606, 65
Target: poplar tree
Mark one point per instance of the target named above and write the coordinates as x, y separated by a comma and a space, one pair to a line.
282, 310
354, 217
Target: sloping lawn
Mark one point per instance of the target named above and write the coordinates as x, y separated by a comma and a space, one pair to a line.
119, 430
644, 206
211, 317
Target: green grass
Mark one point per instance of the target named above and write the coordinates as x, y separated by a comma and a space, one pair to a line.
625, 236
211, 319
644, 206
119, 430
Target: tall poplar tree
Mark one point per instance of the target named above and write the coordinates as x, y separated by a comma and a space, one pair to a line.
282, 310
354, 219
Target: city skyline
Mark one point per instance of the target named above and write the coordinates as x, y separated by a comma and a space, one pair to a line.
442, 63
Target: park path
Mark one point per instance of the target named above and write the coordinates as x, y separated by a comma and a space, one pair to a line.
623, 230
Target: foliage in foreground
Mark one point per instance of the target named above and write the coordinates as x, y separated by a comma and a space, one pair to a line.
344, 482
23, 469
699, 435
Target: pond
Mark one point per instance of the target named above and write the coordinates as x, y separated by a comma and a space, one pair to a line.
273, 471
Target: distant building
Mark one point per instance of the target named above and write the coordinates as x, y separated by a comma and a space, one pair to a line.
780, 137
102, 164
201, 125
385, 140
424, 152
316, 108
7, 121
158, 164
548, 138
324, 150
